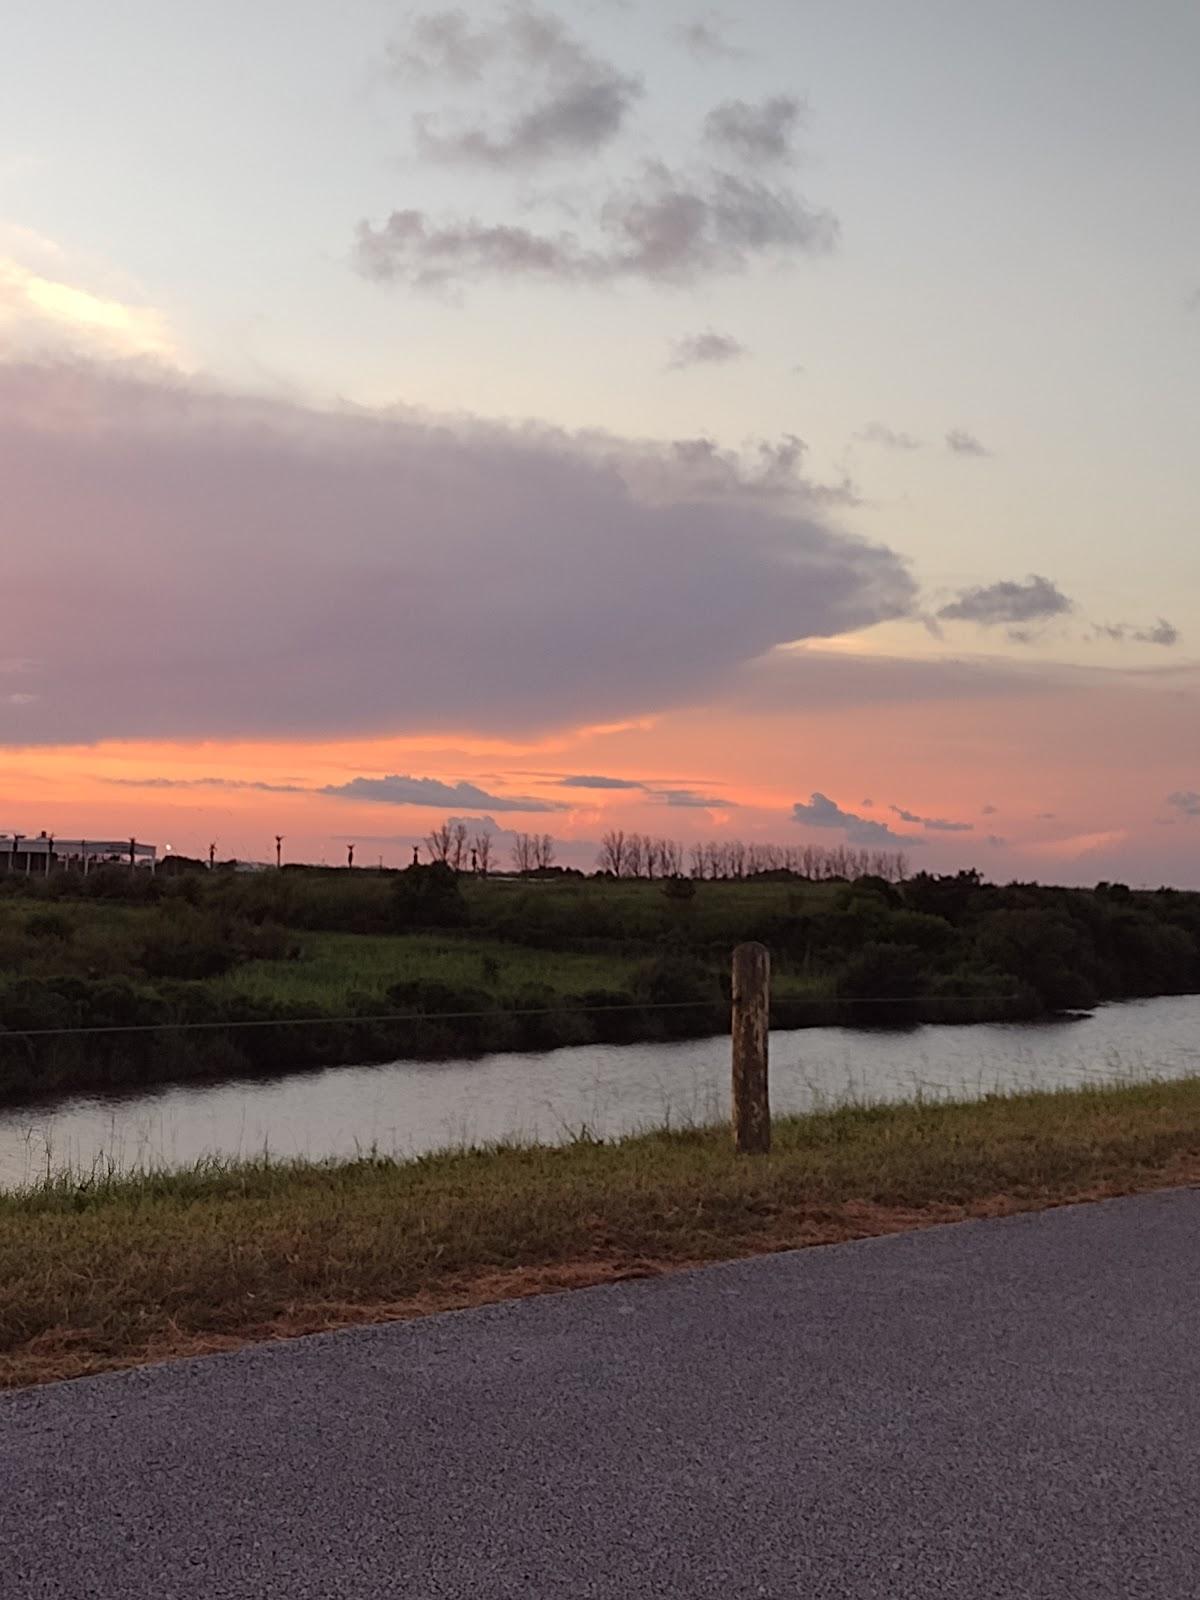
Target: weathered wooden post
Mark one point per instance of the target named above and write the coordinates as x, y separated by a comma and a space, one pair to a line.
751, 1018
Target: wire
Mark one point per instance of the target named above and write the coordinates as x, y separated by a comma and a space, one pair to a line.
459, 1016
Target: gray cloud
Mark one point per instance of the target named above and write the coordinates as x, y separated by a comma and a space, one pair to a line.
443, 44
963, 443
577, 103
889, 438
1185, 800
1162, 633
756, 133
822, 812
583, 781
689, 799
273, 570
208, 783
1008, 603
704, 42
932, 824
988, 811
663, 228
399, 790
704, 349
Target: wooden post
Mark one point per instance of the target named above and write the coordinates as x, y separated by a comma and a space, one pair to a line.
751, 1013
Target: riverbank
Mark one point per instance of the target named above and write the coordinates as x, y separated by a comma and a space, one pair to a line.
121, 981
104, 1272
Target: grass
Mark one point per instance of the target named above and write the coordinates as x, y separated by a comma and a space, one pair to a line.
104, 1271
333, 966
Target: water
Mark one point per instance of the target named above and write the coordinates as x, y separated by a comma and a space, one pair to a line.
407, 1107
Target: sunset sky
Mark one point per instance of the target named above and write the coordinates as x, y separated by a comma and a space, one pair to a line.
776, 423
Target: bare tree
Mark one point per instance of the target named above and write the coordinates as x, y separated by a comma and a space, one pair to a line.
543, 851
670, 858
612, 852
481, 846
649, 855
633, 856
458, 846
440, 843
524, 852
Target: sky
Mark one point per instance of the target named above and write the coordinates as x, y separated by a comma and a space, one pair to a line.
773, 423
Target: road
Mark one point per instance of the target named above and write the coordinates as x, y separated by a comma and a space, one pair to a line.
1001, 1409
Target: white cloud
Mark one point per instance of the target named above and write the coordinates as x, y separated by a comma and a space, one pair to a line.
47, 304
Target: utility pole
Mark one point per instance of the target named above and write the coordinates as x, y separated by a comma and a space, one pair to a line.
416, 854
212, 855
278, 851
349, 855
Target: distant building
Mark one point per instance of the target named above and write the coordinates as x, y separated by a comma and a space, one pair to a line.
43, 853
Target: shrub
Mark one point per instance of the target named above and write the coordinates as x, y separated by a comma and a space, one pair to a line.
184, 943
428, 897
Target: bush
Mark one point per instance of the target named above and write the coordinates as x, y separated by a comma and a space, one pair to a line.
428, 897
184, 943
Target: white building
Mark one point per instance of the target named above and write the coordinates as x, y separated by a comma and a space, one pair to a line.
43, 853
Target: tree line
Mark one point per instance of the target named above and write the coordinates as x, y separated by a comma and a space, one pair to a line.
637, 855
640, 855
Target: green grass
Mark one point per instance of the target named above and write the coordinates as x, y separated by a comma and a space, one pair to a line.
104, 1271
332, 966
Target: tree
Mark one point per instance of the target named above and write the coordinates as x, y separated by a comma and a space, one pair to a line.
458, 846
524, 852
440, 843
481, 845
612, 852
543, 851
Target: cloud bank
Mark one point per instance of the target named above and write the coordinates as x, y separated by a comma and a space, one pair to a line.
190, 563
400, 790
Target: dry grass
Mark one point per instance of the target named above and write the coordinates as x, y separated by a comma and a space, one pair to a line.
110, 1272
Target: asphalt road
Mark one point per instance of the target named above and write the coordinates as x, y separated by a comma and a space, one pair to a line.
1004, 1409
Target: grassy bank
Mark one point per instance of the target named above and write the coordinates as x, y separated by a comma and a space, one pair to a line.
109, 1272
125, 979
